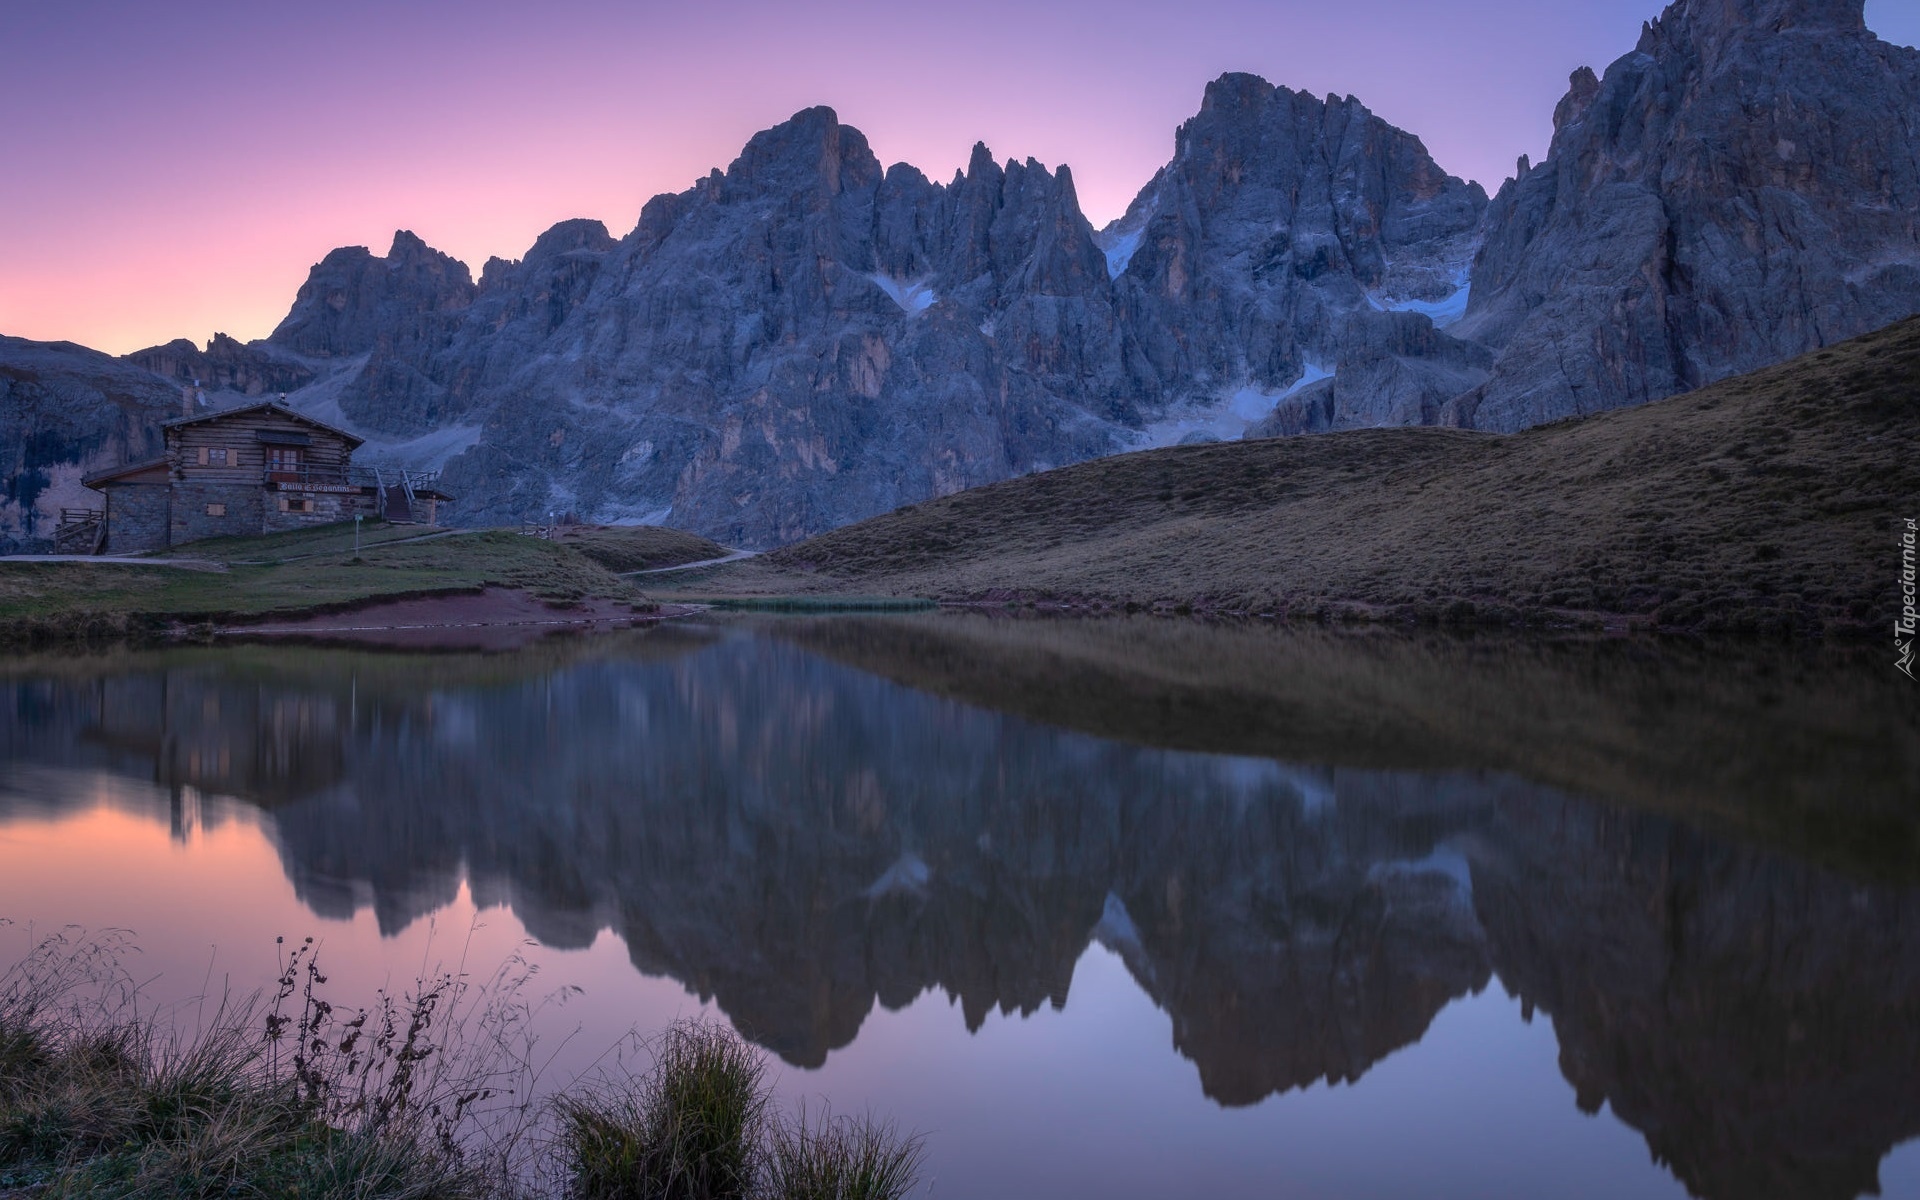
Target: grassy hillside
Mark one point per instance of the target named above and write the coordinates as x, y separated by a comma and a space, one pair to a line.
639, 547
291, 572
1766, 503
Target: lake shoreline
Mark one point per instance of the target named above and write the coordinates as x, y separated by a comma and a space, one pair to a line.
561, 577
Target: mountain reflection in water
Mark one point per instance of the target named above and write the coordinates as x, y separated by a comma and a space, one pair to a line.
1302, 846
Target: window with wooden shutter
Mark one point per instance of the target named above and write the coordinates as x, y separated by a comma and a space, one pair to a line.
203, 456
216, 510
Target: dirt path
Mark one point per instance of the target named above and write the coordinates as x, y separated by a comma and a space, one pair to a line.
736, 556
185, 564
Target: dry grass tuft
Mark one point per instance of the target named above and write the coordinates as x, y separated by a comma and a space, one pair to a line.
99, 1097
691, 1129
427, 1095
844, 1159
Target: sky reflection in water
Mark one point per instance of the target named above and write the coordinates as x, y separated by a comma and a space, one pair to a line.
1123, 910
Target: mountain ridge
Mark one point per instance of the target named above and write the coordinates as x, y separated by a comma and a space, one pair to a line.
808, 338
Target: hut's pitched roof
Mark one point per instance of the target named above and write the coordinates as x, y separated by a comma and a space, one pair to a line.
275, 406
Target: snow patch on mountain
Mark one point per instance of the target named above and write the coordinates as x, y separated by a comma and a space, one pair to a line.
1116, 930
1227, 418
1120, 240
908, 875
1315, 788
913, 296
1443, 312
1120, 250
1445, 860
430, 451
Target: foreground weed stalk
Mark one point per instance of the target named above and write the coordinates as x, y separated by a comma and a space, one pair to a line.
424, 1095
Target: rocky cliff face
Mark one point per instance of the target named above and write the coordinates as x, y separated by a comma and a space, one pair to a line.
354, 303
65, 412
808, 338
224, 366
1280, 246
1742, 188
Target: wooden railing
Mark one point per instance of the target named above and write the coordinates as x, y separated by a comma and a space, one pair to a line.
333, 473
80, 531
300, 474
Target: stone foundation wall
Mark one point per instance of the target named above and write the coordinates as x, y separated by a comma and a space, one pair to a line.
137, 518
243, 515
316, 508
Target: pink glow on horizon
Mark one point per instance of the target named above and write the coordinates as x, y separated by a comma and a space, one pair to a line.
171, 171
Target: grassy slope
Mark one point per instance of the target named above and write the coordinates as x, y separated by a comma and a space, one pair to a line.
640, 547
297, 571
1763, 502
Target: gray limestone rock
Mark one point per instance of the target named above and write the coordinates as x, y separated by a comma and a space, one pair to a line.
1279, 216
65, 412
1391, 368
354, 303
803, 340
806, 339
1742, 188
225, 365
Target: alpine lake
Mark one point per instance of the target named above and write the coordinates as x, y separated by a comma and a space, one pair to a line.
1117, 908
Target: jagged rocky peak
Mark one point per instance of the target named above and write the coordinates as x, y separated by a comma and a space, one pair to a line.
1713, 20
1257, 151
1736, 191
353, 300
225, 365
580, 235
418, 264
1582, 87
798, 341
1040, 243
577, 234
809, 150
521, 301
1280, 216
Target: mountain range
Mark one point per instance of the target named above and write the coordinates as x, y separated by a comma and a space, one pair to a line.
809, 338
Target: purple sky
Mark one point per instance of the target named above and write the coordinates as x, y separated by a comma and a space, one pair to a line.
172, 170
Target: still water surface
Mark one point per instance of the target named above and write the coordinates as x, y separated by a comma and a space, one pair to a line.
1126, 909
